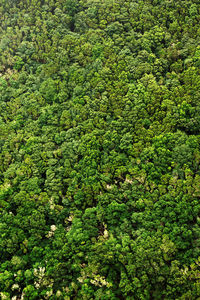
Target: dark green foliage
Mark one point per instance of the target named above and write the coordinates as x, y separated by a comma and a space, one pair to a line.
99, 149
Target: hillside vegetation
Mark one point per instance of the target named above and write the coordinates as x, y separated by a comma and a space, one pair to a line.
100, 149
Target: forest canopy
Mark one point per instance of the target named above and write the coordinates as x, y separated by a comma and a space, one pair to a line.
100, 149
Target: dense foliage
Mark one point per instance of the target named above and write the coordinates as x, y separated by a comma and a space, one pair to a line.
100, 149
